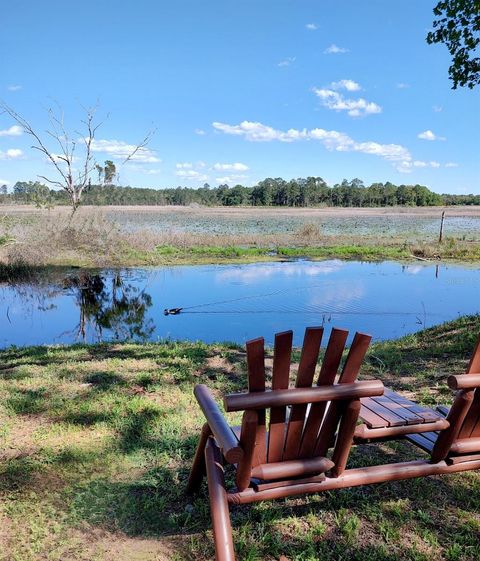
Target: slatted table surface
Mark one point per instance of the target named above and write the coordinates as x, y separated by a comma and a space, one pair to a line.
394, 410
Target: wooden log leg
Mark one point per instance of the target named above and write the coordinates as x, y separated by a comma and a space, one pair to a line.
198, 467
345, 437
222, 529
456, 417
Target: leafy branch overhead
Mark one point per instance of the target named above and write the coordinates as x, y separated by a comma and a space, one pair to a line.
457, 25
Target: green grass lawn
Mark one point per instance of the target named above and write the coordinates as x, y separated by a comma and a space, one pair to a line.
96, 443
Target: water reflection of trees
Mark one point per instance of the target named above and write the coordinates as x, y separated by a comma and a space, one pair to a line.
109, 302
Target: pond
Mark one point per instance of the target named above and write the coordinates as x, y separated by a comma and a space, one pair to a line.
234, 302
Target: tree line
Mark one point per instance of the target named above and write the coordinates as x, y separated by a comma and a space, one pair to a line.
308, 192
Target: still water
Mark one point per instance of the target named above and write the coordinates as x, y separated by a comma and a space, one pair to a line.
234, 302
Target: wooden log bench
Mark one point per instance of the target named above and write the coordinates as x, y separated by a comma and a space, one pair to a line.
392, 415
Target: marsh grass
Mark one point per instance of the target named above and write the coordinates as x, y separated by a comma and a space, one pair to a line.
96, 443
99, 237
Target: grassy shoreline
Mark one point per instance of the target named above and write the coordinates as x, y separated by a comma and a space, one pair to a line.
93, 238
96, 441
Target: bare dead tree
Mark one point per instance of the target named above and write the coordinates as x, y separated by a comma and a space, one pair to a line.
73, 168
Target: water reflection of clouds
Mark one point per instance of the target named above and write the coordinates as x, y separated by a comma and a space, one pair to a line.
251, 273
339, 297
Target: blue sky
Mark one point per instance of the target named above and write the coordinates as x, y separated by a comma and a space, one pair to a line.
242, 90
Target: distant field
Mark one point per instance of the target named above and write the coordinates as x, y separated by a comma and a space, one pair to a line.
416, 222
135, 235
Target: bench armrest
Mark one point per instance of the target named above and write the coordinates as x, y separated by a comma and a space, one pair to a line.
227, 441
464, 381
298, 396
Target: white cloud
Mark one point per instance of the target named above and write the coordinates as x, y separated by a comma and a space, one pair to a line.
11, 154
184, 165
332, 140
191, 174
402, 86
437, 108
312, 26
230, 178
14, 88
4, 182
142, 169
334, 50
349, 85
429, 135
287, 61
14, 130
200, 132
451, 165
231, 167
409, 165
119, 149
335, 101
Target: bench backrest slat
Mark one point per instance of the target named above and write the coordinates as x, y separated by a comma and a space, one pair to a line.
280, 380
306, 372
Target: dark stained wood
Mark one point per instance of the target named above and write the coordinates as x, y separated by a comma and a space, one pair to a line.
296, 396
306, 372
364, 433
471, 424
248, 433
390, 417
443, 410
280, 377
222, 528
456, 416
355, 358
224, 436
292, 468
328, 372
345, 437
372, 420
198, 467
464, 381
466, 445
421, 441
256, 383
356, 477
349, 374
287, 482
409, 417
427, 414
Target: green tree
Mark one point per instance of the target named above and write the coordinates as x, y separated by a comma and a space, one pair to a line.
457, 25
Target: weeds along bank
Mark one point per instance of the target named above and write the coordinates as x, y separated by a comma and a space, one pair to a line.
96, 443
169, 235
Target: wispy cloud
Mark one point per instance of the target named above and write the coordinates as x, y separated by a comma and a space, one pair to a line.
349, 85
200, 132
14, 130
334, 50
402, 86
191, 174
399, 156
451, 165
14, 88
230, 179
437, 108
231, 167
11, 154
408, 166
287, 61
119, 149
312, 26
429, 135
333, 99
4, 182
